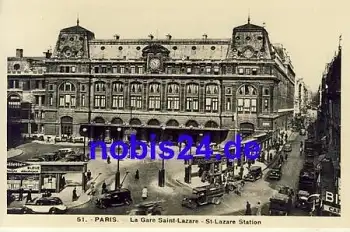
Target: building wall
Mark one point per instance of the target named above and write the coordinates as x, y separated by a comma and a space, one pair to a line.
248, 58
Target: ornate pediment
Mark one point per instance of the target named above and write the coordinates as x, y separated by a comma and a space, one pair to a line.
155, 49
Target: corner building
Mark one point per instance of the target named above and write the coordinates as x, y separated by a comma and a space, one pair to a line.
163, 86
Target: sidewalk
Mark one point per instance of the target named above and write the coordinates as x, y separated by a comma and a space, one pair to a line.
13, 153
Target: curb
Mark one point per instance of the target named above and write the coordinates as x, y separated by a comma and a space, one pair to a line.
80, 204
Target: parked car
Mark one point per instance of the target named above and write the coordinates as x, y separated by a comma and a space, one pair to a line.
280, 204
254, 174
147, 208
45, 205
202, 196
51, 156
114, 198
287, 147
275, 173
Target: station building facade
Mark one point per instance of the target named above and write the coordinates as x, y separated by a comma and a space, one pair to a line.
163, 86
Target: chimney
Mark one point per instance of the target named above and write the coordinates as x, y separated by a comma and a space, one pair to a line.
168, 36
116, 37
19, 53
150, 36
205, 36
48, 54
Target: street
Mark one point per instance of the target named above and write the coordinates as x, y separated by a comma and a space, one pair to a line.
173, 192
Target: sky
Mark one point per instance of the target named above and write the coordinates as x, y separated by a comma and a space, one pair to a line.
308, 29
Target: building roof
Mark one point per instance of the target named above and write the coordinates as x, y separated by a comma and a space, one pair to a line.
249, 27
77, 29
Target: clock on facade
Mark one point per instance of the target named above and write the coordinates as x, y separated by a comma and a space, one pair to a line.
154, 63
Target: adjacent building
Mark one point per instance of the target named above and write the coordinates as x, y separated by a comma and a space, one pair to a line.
328, 130
302, 97
165, 86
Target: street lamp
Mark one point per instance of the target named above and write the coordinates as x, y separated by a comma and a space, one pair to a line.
161, 173
84, 134
117, 174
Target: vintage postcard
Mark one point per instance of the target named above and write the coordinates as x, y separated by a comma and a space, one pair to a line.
154, 113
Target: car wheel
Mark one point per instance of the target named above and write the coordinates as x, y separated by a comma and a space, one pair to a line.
230, 187
53, 211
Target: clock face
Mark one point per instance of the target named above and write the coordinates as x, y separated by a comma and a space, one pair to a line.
154, 63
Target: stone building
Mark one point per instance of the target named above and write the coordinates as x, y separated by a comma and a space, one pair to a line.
162, 86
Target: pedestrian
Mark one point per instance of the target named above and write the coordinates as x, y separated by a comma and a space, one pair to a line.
137, 175
74, 195
258, 210
108, 160
20, 197
88, 174
248, 209
104, 188
29, 196
286, 156
63, 182
144, 193
92, 189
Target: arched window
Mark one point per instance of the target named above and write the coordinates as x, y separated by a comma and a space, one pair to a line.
192, 97
173, 97
246, 99
117, 95
211, 98
66, 125
154, 96
67, 95
100, 95
136, 95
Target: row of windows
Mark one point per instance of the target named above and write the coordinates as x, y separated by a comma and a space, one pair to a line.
244, 105
26, 85
174, 48
154, 88
171, 70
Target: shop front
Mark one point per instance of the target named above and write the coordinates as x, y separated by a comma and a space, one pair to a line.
23, 175
42, 176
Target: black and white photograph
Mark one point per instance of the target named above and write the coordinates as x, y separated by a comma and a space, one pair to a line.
91, 81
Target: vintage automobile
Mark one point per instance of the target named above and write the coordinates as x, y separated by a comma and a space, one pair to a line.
10, 197
286, 190
51, 205
287, 147
147, 209
254, 174
114, 198
203, 195
280, 204
275, 173
51, 156
301, 200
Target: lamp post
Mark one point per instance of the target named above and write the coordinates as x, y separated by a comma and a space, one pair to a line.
117, 174
84, 133
161, 173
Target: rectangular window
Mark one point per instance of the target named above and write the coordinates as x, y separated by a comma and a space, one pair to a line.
73, 69
215, 104
266, 105
154, 103
208, 70
97, 69
50, 87
72, 101
104, 69
253, 106
50, 100
37, 84
189, 70
216, 70
132, 69
61, 69
136, 102
240, 105
173, 103
97, 101
43, 100
122, 69
114, 69
61, 101
228, 104
36, 100
254, 71
140, 70
67, 69
247, 71
168, 70
240, 71
83, 100
208, 104
189, 103
118, 102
